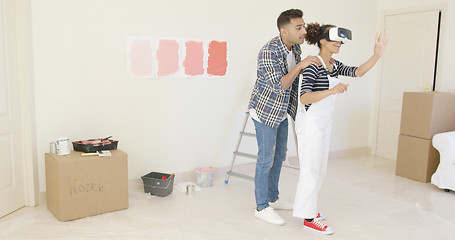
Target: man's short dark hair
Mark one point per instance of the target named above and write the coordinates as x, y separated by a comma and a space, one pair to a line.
286, 16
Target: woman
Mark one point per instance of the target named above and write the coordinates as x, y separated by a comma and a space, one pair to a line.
317, 90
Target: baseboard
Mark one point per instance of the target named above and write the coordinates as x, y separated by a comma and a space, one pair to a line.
350, 152
220, 172
339, 154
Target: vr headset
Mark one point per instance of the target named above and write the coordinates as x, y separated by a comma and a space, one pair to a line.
337, 34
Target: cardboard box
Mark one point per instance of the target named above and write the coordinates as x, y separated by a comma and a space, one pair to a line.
78, 187
425, 114
417, 159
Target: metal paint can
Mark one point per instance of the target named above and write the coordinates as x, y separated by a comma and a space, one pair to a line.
52, 147
204, 176
63, 146
190, 189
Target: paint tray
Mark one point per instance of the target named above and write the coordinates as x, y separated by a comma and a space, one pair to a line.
155, 184
95, 145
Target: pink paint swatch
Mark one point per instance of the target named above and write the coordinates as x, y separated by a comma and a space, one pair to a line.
217, 62
194, 59
141, 55
168, 57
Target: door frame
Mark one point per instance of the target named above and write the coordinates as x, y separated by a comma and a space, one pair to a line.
443, 8
27, 100
20, 68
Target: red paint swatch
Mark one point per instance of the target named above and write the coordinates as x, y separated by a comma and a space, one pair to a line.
217, 62
141, 58
168, 57
194, 60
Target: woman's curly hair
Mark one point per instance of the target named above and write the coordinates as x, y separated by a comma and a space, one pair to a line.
314, 30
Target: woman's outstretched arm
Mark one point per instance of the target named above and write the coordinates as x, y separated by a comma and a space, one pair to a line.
380, 44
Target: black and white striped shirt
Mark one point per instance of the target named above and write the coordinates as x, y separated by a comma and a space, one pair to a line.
314, 79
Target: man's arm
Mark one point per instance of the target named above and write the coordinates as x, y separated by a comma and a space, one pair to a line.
288, 79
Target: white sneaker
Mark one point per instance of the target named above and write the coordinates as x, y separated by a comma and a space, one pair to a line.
269, 215
280, 204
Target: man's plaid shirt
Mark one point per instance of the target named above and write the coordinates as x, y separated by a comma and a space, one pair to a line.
269, 99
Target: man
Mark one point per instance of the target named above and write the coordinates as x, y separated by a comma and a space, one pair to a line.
274, 95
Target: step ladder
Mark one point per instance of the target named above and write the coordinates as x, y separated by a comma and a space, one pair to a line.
252, 156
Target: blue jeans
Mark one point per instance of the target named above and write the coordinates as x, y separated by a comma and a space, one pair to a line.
272, 147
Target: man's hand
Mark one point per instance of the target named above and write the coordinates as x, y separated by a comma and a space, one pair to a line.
308, 61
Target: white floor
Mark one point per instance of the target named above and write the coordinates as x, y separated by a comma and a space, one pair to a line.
361, 196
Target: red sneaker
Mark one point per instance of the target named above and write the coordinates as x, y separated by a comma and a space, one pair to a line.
318, 226
320, 216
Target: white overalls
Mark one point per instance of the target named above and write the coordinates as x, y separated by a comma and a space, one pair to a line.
313, 129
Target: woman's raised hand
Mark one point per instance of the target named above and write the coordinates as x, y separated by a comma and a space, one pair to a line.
380, 43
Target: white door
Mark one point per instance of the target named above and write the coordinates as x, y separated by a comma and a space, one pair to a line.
408, 65
11, 164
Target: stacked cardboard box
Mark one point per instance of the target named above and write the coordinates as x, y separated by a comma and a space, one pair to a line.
423, 115
78, 186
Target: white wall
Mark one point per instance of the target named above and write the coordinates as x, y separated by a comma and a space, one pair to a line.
174, 125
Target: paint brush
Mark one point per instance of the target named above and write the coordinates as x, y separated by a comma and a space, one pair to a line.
103, 153
164, 177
